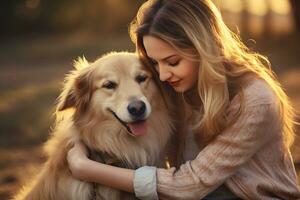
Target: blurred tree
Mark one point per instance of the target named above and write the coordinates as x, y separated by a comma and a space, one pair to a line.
15, 16
29, 16
296, 11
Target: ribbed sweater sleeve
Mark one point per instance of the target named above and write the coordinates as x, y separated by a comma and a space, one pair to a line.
223, 156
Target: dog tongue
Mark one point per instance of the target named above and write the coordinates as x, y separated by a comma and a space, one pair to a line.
138, 128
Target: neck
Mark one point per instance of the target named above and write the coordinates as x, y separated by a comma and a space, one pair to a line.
192, 97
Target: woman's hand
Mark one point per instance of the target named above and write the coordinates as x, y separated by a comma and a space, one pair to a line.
87, 170
77, 158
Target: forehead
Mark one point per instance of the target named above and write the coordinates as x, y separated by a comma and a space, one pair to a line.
118, 65
158, 48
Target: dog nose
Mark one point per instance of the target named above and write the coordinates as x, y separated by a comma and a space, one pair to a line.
137, 109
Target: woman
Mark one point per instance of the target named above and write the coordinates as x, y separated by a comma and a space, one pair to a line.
242, 121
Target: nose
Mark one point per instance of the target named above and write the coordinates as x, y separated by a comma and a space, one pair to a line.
164, 73
137, 109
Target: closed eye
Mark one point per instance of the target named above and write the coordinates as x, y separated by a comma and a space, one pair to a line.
174, 64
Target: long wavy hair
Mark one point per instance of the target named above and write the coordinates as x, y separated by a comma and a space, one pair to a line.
224, 60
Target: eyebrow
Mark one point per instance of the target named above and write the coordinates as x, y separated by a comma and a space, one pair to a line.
166, 58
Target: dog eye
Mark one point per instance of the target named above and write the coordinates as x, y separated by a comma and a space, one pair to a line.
110, 85
141, 78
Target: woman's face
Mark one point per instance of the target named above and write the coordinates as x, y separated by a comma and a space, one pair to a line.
180, 72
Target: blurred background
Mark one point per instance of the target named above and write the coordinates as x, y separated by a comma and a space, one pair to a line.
39, 39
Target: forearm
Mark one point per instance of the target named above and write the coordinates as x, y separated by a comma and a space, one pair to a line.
221, 158
115, 177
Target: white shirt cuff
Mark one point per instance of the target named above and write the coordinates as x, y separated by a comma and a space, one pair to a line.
144, 183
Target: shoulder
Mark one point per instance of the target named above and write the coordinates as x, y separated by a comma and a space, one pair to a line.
258, 100
257, 92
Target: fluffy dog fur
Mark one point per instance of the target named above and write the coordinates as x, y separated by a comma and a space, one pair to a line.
85, 106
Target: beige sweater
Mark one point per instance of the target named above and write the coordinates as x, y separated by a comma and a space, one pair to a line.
249, 158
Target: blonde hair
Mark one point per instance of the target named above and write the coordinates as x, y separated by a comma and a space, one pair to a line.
223, 59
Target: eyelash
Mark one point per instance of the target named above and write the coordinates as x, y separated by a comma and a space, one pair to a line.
174, 64
170, 64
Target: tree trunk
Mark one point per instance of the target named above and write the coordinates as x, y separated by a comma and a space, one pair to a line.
295, 4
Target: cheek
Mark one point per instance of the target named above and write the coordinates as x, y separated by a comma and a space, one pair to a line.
190, 74
194, 69
189, 71
100, 102
195, 72
194, 75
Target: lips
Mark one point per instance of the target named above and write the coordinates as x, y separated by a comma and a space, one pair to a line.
174, 83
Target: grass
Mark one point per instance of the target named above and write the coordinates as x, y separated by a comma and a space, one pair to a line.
26, 115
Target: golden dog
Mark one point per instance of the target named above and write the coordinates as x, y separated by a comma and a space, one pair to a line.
118, 111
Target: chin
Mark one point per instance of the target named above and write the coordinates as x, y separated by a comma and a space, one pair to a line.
180, 90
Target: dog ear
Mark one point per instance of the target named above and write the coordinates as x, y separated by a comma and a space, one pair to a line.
67, 103
78, 87
83, 90
67, 98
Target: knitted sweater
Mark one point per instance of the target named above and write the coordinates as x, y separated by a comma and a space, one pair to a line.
249, 158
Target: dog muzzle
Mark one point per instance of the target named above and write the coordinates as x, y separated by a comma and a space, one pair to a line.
136, 128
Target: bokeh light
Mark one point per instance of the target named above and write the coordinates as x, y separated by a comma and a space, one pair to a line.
281, 7
255, 7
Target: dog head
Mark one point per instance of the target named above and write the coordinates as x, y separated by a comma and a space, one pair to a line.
115, 87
